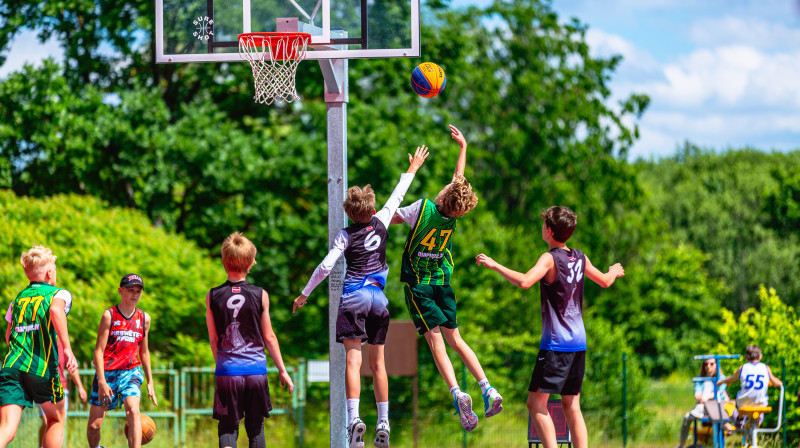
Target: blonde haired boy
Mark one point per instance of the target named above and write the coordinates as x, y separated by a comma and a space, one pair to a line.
239, 328
30, 369
427, 266
363, 316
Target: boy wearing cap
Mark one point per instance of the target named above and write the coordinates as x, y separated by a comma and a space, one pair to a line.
121, 348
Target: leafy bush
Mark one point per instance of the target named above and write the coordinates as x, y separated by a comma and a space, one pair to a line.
96, 245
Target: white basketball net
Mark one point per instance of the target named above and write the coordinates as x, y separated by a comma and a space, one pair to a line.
274, 61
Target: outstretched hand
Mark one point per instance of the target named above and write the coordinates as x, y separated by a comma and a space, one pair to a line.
299, 302
417, 159
458, 136
617, 270
485, 261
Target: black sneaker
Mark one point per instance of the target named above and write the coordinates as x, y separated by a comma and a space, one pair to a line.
355, 434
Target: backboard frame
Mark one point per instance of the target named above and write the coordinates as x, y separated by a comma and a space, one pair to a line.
323, 40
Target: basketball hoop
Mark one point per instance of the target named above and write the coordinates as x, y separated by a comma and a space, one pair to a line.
274, 58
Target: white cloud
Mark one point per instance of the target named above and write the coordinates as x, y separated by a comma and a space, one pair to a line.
604, 44
729, 30
731, 77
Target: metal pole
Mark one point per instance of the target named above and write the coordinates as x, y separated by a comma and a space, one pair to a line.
783, 410
336, 95
624, 399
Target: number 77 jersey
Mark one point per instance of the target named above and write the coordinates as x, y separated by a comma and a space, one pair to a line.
427, 258
32, 346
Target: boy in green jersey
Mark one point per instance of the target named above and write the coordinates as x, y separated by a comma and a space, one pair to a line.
427, 266
30, 369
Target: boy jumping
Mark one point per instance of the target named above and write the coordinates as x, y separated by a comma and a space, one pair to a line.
30, 369
122, 346
239, 328
427, 266
362, 310
562, 354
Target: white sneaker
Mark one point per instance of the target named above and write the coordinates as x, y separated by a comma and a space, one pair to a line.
355, 433
382, 434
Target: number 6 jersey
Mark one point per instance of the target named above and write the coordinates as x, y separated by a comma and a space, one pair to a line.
237, 309
562, 303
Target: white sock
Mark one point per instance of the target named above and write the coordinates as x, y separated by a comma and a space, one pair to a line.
484, 383
383, 411
454, 390
352, 410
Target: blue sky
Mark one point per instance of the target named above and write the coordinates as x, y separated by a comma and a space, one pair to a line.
719, 73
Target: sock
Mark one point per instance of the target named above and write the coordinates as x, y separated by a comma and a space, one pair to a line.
454, 390
383, 411
352, 410
484, 383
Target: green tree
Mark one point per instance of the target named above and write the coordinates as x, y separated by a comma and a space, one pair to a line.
717, 202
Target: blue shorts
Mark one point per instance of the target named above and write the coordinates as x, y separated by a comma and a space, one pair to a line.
363, 315
123, 383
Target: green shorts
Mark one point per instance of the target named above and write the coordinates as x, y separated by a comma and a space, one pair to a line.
23, 388
431, 306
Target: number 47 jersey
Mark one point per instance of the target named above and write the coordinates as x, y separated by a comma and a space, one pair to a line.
427, 259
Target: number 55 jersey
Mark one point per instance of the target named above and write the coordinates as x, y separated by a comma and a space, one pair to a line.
236, 308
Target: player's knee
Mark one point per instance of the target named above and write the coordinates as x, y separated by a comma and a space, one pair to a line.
132, 412
377, 365
94, 425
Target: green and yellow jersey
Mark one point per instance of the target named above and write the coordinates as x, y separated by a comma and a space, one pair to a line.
426, 257
32, 344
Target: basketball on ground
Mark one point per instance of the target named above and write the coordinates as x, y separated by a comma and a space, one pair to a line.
148, 429
428, 79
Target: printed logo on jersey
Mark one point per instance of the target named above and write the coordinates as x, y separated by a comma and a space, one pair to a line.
370, 228
572, 258
236, 290
117, 323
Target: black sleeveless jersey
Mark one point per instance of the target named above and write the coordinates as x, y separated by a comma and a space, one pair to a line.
365, 254
562, 303
237, 309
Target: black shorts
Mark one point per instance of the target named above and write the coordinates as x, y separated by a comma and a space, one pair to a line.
363, 314
239, 394
558, 372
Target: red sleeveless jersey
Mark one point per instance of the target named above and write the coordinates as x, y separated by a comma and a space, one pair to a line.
124, 336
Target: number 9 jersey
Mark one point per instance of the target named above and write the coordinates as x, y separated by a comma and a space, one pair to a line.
237, 309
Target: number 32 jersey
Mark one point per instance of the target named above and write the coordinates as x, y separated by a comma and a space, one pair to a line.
562, 303
236, 308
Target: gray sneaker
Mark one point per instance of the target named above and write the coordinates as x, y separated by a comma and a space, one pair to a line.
355, 433
382, 434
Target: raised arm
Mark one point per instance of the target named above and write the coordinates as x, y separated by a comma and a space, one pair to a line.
387, 213
526, 280
462, 154
323, 270
271, 343
607, 279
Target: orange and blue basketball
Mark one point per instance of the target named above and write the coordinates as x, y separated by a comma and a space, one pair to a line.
428, 79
